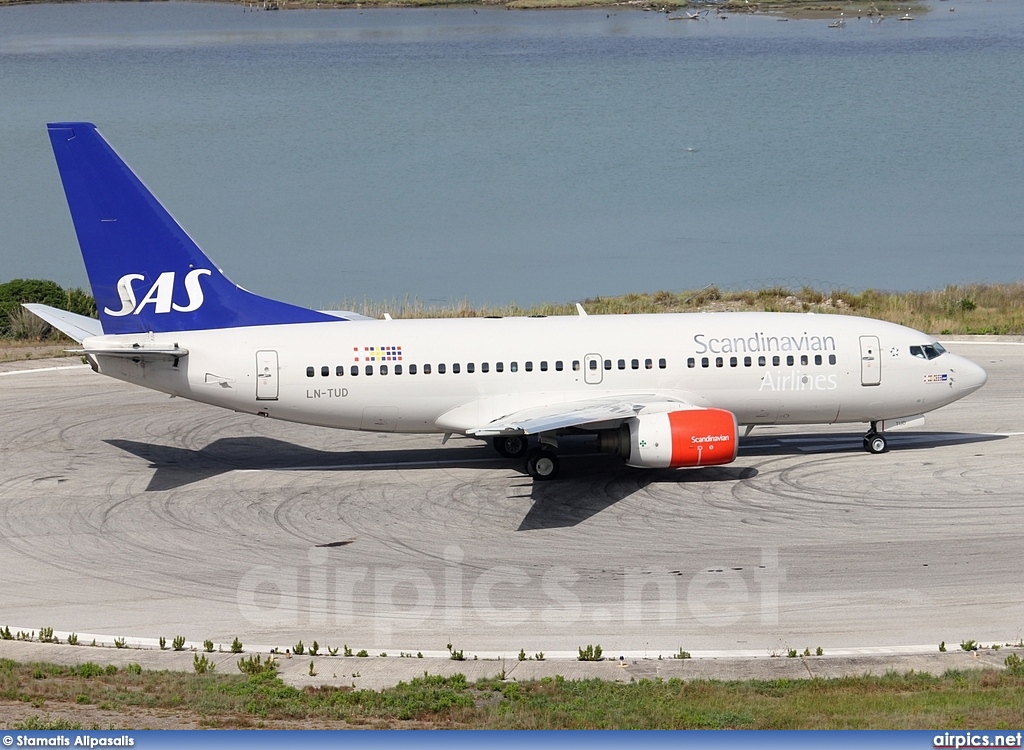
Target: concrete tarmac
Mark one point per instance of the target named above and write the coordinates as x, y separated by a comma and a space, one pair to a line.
124, 513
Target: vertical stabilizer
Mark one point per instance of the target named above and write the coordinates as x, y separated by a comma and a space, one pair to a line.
146, 273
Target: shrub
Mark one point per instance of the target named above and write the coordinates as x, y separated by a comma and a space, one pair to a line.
202, 665
1014, 665
254, 665
362, 653
314, 650
522, 654
299, 649
73, 639
680, 654
348, 651
818, 651
46, 636
5, 634
178, 644
120, 643
163, 643
312, 671
791, 653
87, 670
942, 647
208, 646
455, 655
970, 645
133, 668
332, 651
590, 653
236, 646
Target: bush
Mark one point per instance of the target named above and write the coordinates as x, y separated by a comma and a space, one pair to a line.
590, 653
17, 291
120, 643
1014, 665
254, 665
163, 643
133, 668
208, 646
178, 644
970, 645
73, 639
236, 646
299, 649
314, 650
202, 665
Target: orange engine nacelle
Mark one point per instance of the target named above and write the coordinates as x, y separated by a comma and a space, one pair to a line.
689, 437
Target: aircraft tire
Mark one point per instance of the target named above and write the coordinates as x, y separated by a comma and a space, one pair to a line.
876, 443
542, 464
511, 446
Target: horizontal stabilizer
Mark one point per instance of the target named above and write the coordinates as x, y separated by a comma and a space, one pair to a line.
78, 327
137, 353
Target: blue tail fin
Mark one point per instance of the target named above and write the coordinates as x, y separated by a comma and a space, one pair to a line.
146, 273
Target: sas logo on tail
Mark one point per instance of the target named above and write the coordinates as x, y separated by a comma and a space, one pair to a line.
160, 295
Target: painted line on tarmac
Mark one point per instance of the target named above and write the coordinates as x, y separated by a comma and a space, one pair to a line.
45, 369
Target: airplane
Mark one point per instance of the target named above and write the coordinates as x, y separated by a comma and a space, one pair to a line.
659, 391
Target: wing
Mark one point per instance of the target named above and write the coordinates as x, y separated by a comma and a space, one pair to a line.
559, 416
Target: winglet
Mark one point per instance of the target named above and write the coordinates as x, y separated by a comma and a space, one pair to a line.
146, 273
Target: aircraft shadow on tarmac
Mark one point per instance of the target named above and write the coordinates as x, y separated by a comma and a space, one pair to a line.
177, 467
589, 482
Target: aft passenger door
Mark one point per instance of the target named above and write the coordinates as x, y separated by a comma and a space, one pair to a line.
870, 361
266, 376
592, 372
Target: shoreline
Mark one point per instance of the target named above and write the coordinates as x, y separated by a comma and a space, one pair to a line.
787, 9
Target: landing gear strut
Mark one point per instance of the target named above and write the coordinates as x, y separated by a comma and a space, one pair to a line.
542, 463
874, 441
511, 446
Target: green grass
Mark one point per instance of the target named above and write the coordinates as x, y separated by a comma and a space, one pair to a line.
964, 700
968, 309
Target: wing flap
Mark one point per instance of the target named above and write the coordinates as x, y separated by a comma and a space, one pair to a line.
559, 416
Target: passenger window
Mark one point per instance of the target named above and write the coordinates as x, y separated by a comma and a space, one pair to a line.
607, 364
499, 366
426, 369
456, 369
558, 365
412, 369
383, 369
485, 367
513, 367
733, 361
691, 362
543, 366
662, 364
369, 369
310, 372
747, 362
622, 364
575, 365
789, 360
831, 359
339, 370
719, 362
529, 366
470, 367
704, 362
817, 359
398, 369
803, 359
775, 361
648, 364
761, 361
325, 371
442, 369
593, 364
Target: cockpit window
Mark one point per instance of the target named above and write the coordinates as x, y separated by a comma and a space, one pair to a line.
927, 351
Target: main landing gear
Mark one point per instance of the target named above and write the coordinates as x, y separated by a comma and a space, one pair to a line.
874, 441
511, 446
541, 462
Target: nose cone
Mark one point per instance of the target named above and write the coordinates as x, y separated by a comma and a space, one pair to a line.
970, 377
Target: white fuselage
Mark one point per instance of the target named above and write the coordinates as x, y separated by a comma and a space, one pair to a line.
766, 368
